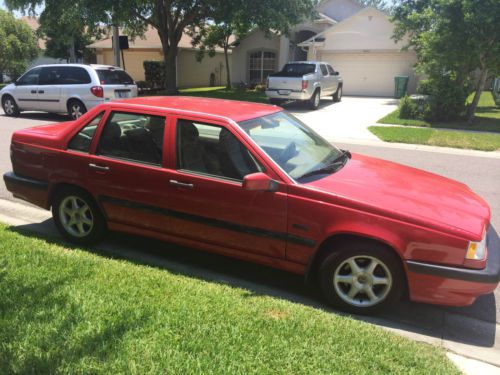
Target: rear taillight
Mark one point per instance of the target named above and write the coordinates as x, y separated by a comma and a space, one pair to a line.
304, 85
97, 91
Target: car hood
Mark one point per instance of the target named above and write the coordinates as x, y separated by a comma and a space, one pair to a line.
408, 194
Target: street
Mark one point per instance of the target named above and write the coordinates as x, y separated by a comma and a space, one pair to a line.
472, 331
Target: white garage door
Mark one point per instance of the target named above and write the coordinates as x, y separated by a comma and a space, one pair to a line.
370, 74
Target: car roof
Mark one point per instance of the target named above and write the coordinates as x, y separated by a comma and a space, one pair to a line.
232, 109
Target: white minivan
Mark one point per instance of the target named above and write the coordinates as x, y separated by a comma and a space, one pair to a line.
66, 88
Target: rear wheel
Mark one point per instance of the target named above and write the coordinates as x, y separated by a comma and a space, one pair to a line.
337, 97
77, 216
76, 109
9, 106
315, 100
363, 277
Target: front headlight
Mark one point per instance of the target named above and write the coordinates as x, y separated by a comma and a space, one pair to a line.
477, 250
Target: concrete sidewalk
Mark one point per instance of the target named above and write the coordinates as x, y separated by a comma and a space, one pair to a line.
473, 342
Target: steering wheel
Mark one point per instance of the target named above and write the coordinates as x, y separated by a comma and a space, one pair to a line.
288, 152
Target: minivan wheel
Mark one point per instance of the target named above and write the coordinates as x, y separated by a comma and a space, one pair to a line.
337, 97
362, 278
9, 106
315, 100
77, 216
76, 109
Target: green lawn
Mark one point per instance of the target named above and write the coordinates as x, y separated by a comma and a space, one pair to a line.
487, 118
222, 93
435, 137
69, 311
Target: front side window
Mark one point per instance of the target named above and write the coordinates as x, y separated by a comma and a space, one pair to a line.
212, 150
330, 70
296, 148
133, 136
324, 70
30, 78
81, 141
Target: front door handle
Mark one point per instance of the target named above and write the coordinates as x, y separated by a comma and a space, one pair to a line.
98, 167
33, 91
181, 184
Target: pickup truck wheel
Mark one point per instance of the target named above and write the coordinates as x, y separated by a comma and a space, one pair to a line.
337, 97
77, 216
9, 106
315, 100
362, 278
76, 109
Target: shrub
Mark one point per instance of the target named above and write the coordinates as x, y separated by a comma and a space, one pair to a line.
447, 97
261, 87
408, 109
154, 72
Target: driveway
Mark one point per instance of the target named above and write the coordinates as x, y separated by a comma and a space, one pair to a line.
348, 119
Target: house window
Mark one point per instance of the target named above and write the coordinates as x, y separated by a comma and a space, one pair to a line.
260, 65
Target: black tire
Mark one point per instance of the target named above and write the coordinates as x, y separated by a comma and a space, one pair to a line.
337, 267
315, 100
76, 109
90, 233
337, 97
9, 106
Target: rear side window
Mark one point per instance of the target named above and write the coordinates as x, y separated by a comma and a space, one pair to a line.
114, 77
72, 75
324, 71
81, 141
133, 136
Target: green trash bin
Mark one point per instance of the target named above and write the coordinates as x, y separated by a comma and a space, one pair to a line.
400, 86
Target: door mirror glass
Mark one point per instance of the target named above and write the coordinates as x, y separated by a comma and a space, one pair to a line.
259, 182
336, 73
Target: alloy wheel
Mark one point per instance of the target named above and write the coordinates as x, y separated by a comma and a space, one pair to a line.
76, 216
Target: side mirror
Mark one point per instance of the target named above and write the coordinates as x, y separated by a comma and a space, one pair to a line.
336, 73
259, 182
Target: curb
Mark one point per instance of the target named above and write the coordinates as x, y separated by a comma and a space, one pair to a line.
472, 366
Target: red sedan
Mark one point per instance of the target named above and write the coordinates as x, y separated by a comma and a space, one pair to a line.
252, 182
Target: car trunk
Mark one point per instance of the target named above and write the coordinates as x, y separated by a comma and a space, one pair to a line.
116, 84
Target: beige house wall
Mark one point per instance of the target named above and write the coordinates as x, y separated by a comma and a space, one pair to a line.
191, 73
256, 40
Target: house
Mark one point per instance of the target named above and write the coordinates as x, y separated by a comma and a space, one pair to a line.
190, 72
354, 39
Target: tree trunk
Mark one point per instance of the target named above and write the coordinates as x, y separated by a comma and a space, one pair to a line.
228, 73
171, 71
480, 86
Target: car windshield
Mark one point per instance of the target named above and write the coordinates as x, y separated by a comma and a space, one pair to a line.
114, 77
296, 70
296, 148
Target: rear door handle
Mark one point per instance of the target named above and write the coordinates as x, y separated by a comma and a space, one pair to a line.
181, 184
33, 91
98, 167
41, 92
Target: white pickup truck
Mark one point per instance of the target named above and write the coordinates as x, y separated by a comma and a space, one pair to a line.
306, 81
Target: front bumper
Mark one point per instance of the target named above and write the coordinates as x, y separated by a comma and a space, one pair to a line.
455, 286
288, 94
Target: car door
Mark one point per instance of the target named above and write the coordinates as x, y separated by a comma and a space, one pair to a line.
334, 77
49, 89
326, 81
26, 90
126, 170
207, 200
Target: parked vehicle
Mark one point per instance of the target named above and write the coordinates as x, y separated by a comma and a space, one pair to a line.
251, 181
306, 81
66, 88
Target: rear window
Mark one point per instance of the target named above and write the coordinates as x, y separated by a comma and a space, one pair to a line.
114, 77
296, 70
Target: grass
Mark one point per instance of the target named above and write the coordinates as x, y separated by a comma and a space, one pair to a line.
66, 310
487, 118
223, 93
435, 137
2, 85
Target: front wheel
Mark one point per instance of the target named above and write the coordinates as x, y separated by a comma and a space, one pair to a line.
337, 97
76, 109
362, 278
10, 107
77, 216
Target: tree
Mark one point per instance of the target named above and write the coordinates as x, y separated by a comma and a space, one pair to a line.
235, 18
452, 38
18, 45
382, 5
